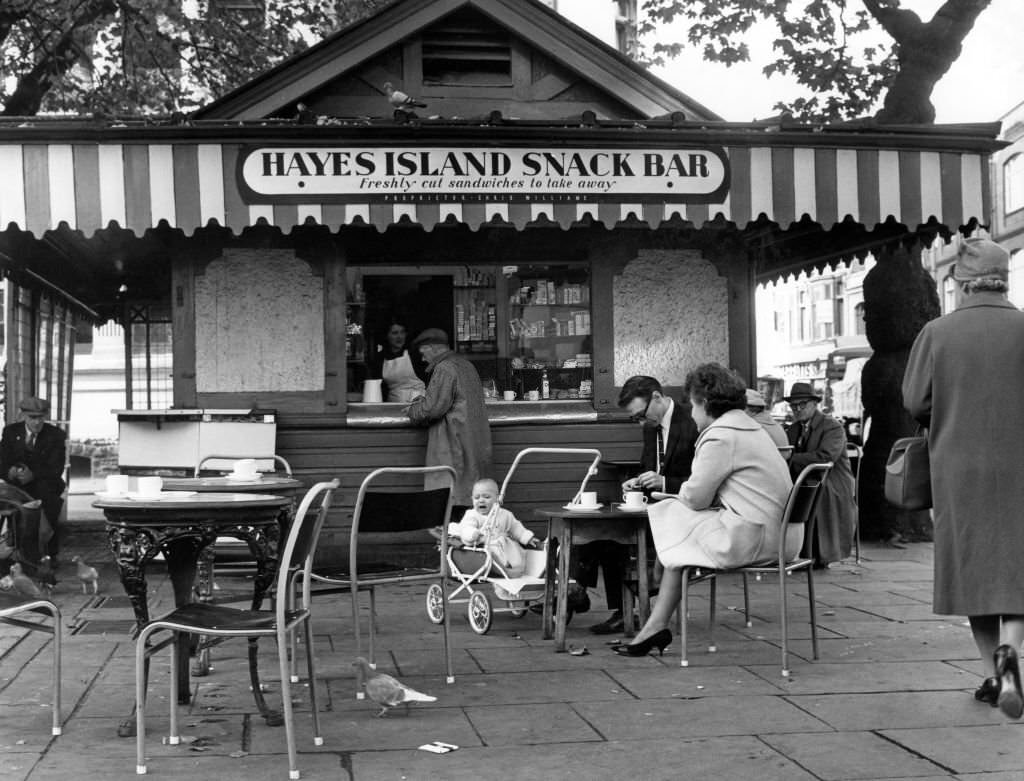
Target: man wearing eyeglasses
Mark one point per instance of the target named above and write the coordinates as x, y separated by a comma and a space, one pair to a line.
669, 438
817, 438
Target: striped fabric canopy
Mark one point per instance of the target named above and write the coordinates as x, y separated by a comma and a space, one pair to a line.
88, 185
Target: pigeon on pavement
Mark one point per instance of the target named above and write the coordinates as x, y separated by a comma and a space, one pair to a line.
45, 574
386, 691
23, 584
399, 99
86, 574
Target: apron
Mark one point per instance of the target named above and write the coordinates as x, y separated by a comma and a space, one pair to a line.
403, 384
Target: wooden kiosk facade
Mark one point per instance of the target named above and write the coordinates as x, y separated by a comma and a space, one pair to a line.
555, 207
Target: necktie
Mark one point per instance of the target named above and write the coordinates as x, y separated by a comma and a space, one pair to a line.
660, 450
802, 439
30, 442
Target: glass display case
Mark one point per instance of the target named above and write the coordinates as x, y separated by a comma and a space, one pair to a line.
550, 352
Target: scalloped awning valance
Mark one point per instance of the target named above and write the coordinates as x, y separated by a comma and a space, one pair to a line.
89, 185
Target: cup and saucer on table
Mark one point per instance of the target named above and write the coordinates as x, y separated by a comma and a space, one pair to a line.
633, 502
585, 501
244, 470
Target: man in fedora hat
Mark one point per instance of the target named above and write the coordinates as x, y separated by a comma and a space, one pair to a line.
818, 439
32, 456
459, 432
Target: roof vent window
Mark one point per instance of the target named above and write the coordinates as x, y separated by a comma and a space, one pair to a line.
467, 50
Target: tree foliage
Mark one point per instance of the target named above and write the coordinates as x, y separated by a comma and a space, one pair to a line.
847, 54
150, 56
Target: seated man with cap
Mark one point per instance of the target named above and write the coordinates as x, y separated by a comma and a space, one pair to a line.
756, 409
817, 439
32, 456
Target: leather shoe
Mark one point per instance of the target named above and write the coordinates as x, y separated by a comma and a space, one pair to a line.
613, 625
988, 691
578, 600
1011, 698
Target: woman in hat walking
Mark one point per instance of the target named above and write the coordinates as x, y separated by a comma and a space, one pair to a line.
963, 383
817, 438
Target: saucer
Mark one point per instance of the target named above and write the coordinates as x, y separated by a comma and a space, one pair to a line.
244, 478
163, 496
628, 508
110, 495
580, 509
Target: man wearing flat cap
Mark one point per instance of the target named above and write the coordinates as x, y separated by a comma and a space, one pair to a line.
459, 433
32, 456
818, 439
963, 383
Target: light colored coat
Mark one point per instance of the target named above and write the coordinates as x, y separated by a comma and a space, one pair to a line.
503, 533
459, 434
729, 512
965, 382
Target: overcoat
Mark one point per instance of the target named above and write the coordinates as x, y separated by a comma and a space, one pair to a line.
837, 510
965, 382
729, 512
460, 434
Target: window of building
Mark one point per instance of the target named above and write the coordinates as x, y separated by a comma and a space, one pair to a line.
839, 309
1013, 183
858, 320
805, 317
1016, 294
948, 295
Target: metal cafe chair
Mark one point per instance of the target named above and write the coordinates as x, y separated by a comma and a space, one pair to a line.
383, 509
12, 607
799, 509
223, 622
855, 453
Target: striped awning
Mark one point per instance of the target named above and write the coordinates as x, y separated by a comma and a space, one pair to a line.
138, 185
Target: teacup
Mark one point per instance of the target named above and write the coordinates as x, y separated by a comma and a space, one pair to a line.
118, 485
510, 395
588, 499
150, 486
634, 500
244, 469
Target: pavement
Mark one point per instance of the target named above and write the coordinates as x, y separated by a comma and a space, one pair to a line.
889, 698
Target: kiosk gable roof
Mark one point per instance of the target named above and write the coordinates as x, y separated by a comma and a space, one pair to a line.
352, 52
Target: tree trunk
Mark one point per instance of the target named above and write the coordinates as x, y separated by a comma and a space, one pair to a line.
899, 298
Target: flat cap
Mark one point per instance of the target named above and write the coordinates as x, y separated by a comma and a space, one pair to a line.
431, 336
755, 399
34, 405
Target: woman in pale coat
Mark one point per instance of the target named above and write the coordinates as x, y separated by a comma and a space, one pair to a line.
729, 511
965, 382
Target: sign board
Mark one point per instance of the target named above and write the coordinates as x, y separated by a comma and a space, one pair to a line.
360, 174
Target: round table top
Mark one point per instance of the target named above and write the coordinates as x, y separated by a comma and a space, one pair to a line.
264, 484
169, 500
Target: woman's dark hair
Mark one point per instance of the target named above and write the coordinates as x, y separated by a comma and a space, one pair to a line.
718, 388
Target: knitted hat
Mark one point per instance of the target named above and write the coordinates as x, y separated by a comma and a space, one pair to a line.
980, 258
755, 399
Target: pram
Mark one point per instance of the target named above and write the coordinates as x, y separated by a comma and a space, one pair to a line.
474, 565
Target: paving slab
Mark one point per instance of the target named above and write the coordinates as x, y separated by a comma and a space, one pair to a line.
842, 756
970, 749
888, 710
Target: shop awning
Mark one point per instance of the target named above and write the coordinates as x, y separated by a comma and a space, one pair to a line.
137, 185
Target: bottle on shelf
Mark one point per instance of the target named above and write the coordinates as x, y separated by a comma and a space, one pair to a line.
545, 387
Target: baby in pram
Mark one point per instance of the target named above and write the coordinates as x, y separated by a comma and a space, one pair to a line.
488, 523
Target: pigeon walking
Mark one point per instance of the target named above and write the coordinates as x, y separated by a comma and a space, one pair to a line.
87, 575
401, 100
23, 584
45, 574
386, 691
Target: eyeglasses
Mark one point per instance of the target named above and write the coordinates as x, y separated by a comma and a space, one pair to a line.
796, 406
639, 417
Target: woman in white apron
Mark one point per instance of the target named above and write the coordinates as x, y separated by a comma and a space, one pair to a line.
397, 370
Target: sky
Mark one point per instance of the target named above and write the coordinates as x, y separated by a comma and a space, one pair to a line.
985, 82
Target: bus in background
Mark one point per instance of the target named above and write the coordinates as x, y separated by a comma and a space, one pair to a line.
842, 388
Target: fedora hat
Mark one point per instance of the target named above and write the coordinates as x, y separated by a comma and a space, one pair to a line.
802, 390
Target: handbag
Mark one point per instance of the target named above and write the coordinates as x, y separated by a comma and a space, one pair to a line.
908, 480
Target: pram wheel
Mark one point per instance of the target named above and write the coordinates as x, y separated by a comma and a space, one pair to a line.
435, 604
517, 612
479, 612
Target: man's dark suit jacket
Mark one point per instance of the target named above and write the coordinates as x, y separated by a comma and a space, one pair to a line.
682, 439
46, 460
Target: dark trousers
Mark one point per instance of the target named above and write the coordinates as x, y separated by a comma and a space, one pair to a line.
52, 503
611, 557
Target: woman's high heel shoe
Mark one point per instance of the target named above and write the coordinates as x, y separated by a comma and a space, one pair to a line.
658, 640
1011, 698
